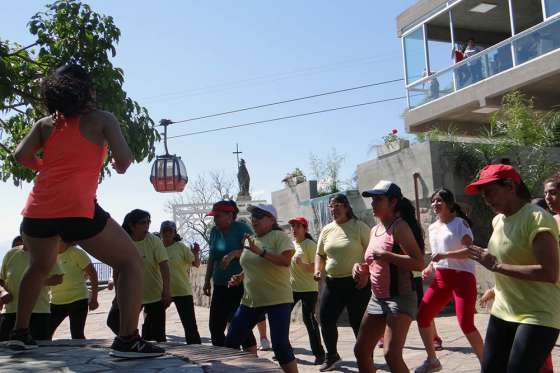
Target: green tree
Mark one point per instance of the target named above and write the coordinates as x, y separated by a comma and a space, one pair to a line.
68, 31
518, 132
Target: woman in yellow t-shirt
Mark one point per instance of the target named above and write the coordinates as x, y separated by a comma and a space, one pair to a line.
265, 261
341, 244
181, 259
71, 298
304, 286
523, 253
157, 294
14, 265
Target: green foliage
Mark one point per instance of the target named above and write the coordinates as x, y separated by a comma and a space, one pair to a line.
517, 132
68, 31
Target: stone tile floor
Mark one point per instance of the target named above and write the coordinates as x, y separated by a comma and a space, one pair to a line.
63, 355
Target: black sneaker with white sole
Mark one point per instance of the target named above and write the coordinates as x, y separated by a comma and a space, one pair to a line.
330, 363
21, 340
134, 348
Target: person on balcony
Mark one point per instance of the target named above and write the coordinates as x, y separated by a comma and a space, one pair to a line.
474, 67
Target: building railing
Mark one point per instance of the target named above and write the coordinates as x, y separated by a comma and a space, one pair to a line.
519, 49
104, 272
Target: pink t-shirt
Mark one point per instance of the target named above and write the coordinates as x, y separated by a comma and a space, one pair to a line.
387, 280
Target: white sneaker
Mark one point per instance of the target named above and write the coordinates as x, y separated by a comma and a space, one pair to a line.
265, 345
429, 366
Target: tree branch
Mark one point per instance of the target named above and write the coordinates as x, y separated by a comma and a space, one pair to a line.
22, 49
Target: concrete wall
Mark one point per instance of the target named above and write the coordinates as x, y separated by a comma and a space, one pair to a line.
434, 163
288, 200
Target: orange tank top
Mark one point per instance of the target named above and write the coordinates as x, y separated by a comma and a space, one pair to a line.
67, 182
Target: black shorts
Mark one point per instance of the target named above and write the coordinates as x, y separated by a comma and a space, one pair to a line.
71, 230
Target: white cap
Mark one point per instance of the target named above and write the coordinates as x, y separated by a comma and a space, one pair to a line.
269, 209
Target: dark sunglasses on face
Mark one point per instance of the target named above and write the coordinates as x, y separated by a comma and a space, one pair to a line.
258, 216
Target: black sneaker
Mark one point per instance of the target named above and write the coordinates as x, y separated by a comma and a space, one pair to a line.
134, 348
319, 360
21, 340
331, 363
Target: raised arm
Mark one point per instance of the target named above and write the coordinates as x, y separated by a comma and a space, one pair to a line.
122, 156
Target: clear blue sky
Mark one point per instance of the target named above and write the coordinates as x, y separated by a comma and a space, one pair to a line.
189, 58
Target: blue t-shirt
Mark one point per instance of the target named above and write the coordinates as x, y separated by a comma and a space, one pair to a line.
222, 243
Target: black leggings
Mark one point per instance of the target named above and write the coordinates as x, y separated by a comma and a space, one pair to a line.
224, 303
153, 328
511, 347
338, 294
185, 309
308, 303
39, 326
77, 312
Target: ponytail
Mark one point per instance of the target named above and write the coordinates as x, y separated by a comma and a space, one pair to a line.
309, 236
406, 211
460, 213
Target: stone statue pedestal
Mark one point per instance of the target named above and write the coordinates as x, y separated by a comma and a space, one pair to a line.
242, 204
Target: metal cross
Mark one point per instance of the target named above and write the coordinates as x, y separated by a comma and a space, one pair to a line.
237, 152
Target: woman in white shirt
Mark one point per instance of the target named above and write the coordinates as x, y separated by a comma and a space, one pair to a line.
454, 276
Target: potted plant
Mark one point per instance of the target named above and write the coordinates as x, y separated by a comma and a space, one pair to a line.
392, 143
294, 178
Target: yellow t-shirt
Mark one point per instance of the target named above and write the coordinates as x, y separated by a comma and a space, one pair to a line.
14, 265
265, 283
153, 253
180, 261
301, 280
521, 301
343, 245
73, 261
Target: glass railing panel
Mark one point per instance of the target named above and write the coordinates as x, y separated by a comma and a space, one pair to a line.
483, 65
438, 85
537, 42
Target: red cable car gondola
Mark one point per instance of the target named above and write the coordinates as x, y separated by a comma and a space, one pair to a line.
168, 171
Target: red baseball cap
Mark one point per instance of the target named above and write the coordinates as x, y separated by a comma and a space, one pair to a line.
299, 220
491, 173
222, 206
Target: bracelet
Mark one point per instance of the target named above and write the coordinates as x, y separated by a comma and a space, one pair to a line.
263, 253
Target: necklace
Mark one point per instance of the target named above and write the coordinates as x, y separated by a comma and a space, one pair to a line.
386, 229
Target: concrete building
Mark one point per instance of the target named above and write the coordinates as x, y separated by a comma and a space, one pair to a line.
516, 46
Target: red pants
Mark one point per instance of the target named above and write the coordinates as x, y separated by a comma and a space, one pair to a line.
449, 283
547, 368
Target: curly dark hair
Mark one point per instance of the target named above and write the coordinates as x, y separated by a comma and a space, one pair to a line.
68, 90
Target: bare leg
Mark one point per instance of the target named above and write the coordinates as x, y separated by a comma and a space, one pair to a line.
395, 337
114, 247
43, 257
476, 342
427, 335
291, 367
262, 329
371, 329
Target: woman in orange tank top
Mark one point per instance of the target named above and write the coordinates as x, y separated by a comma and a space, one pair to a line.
62, 205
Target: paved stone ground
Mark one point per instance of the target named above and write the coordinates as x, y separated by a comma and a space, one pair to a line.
91, 356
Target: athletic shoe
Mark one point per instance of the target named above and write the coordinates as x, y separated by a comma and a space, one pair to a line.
265, 345
429, 366
134, 348
319, 360
438, 344
21, 340
331, 363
